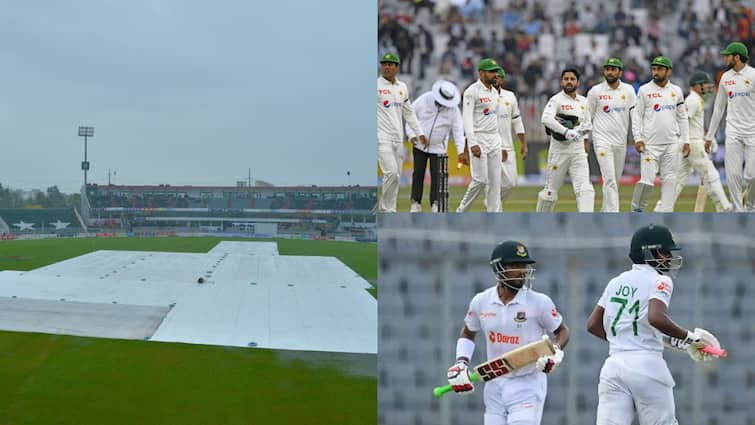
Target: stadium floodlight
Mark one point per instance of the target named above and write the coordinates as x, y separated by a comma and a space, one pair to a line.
85, 132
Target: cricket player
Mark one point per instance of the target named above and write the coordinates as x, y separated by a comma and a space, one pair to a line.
509, 119
392, 105
510, 314
567, 121
700, 84
659, 126
439, 116
632, 316
480, 117
609, 104
736, 95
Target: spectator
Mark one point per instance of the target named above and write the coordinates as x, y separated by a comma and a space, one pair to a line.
589, 20
633, 32
426, 46
603, 20
476, 44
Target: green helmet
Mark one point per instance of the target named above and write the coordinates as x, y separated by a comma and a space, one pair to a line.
662, 61
736, 48
699, 77
512, 252
651, 245
501, 73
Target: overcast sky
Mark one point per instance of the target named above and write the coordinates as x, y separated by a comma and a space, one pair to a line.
187, 92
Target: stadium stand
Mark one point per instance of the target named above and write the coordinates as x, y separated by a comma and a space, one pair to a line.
428, 275
60, 221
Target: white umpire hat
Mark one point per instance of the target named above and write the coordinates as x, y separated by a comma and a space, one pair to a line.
446, 93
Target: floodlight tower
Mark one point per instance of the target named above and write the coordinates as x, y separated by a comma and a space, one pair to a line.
85, 132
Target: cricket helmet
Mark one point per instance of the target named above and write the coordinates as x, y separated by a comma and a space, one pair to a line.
652, 245
506, 254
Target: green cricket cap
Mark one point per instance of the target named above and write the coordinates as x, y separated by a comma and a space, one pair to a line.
488, 64
615, 62
390, 57
735, 48
662, 61
501, 73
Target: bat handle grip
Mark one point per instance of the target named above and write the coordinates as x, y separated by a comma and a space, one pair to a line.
720, 352
439, 391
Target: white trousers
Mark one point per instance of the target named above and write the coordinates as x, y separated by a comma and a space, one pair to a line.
740, 171
486, 175
699, 161
611, 161
390, 161
663, 158
576, 165
515, 401
636, 385
509, 178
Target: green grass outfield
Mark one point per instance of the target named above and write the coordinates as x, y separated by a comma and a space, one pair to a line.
55, 379
524, 199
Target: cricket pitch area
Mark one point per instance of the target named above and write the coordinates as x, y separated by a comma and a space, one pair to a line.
268, 337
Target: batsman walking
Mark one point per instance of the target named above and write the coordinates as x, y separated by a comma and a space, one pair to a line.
510, 314
632, 316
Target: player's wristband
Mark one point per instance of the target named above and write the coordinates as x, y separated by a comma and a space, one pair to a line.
464, 348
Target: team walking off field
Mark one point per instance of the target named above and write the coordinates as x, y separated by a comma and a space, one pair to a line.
666, 129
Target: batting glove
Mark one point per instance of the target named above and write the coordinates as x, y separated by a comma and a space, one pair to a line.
694, 344
548, 364
458, 377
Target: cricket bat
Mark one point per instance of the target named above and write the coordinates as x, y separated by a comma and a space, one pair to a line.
700, 200
719, 352
509, 362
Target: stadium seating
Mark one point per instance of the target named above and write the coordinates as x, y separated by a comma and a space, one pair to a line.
39, 220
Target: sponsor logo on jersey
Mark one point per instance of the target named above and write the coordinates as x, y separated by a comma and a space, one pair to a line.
567, 107
487, 314
521, 316
496, 337
487, 111
654, 95
729, 82
387, 103
733, 94
606, 109
604, 97
554, 313
658, 107
485, 100
384, 91
664, 287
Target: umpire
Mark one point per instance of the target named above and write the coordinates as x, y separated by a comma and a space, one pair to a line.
439, 117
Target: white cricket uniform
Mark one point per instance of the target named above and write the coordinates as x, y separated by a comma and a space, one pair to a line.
392, 105
567, 156
516, 398
659, 119
509, 123
736, 93
480, 117
635, 373
609, 112
438, 123
698, 158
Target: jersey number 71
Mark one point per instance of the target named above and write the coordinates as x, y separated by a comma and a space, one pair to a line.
635, 308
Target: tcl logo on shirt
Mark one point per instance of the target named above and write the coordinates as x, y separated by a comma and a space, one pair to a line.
487, 314
567, 107
495, 337
485, 100
654, 95
384, 91
605, 97
729, 82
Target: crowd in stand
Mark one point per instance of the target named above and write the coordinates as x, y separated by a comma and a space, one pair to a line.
516, 32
